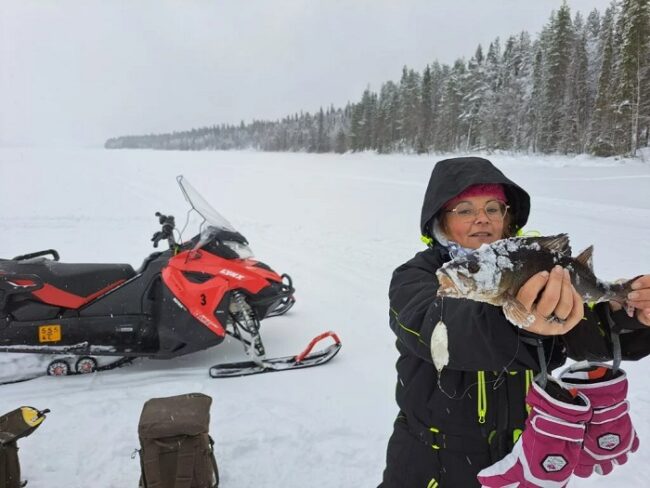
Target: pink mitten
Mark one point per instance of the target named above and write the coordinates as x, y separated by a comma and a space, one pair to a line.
610, 435
547, 452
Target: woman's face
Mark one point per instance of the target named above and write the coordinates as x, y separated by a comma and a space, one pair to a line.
476, 230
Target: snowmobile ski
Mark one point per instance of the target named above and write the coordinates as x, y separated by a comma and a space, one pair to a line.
305, 359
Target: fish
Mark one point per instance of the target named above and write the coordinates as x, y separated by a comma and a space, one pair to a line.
495, 272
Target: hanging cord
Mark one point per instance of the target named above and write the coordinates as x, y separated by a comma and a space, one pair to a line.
616, 340
495, 382
542, 377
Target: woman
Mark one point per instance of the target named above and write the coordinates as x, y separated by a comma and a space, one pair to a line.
453, 424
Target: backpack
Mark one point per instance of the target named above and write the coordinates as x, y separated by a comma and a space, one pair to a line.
13, 426
175, 448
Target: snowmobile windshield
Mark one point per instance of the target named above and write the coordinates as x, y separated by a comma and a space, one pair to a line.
214, 226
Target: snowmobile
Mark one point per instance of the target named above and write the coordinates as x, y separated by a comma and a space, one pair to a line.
92, 317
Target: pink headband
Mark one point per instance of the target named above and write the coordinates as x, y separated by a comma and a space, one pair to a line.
491, 189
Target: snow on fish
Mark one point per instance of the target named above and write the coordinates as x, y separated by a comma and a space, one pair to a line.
495, 272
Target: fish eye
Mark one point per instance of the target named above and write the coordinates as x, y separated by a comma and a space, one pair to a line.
473, 267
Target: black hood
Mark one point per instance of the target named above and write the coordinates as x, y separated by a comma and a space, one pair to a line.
451, 176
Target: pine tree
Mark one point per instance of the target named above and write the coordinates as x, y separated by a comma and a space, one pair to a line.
594, 62
409, 90
574, 123
322, 144
602, 143
356, 128
387, 117
340, 145
519, 91
489, 112
426, 114
635, 63
475, 88
449, 131
535, 107
438, 76
557, 60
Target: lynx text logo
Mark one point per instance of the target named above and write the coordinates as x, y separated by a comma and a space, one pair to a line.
232, 274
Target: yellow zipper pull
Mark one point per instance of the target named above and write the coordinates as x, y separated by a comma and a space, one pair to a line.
482, 397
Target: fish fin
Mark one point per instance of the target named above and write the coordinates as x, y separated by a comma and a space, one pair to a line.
559, 244
517, 314
618, 291
586, 258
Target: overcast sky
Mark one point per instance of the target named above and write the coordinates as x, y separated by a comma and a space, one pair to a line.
75, 72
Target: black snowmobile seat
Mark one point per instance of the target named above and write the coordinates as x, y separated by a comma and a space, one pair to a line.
83, 280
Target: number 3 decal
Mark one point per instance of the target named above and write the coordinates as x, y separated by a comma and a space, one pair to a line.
203, 299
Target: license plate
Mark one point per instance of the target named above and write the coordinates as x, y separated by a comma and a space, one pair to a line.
49, 333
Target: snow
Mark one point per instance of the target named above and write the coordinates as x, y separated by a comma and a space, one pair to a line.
338, 225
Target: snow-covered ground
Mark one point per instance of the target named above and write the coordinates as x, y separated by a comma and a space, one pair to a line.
339, 225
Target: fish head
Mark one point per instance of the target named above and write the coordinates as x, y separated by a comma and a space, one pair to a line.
481, 275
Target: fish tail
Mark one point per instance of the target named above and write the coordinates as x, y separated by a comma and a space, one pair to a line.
618, 291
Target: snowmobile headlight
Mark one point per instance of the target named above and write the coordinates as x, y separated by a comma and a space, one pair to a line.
242, 250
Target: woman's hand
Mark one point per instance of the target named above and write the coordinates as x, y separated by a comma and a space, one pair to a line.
549, 296
639, 298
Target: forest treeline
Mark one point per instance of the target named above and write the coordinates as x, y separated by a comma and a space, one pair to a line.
581, 86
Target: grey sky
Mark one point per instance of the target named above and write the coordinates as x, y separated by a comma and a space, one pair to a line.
76, 72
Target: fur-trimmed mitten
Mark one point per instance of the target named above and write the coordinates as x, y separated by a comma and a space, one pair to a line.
609, 436
548, 450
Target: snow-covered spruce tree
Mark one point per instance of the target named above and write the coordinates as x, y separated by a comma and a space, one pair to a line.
322, 142
369, 104
594, 61
423, 143
439, 74
634, 22
521, 90
557, 61
604, 115
489, 111
534, 107
448, 135
387, 114
409, 90
356, 124
576, 99
513, 93
475, 91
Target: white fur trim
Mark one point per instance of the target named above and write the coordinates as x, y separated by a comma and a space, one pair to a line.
438, 234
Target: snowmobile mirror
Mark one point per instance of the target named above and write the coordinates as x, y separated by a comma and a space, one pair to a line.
168, 225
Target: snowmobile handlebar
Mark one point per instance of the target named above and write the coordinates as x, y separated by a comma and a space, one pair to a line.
38, 254
167, 232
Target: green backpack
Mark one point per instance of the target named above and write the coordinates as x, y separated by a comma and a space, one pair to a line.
176, 450
13, 426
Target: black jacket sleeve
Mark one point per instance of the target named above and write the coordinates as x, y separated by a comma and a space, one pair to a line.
479, 335
592, 339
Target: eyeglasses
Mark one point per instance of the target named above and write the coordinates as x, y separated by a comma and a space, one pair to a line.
495, 210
